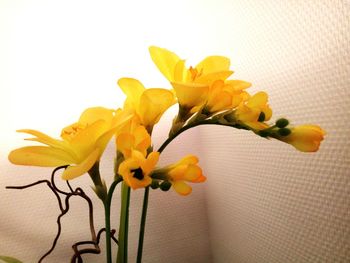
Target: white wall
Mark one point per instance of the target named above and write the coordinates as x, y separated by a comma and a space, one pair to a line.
266, 201
263, 201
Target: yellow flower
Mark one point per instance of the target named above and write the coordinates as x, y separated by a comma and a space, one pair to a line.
133, 136
135, 170
148, 104
225, 95
191, 85
185, 170
254, 111
81, 146
305, 138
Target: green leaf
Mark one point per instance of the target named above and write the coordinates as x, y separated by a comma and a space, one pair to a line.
9, 259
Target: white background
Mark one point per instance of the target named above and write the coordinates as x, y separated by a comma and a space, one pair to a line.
263, 201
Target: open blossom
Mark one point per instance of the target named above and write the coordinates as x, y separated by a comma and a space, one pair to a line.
148, 104
81, 146
305, 138
206, 83
136, 169
184, 171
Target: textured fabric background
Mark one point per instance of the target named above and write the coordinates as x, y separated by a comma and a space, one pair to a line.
263, 201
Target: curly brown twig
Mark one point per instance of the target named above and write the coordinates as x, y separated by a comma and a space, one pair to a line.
77, 192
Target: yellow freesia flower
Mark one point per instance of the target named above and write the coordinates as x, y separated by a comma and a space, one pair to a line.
225, 95
81, 146
305, 138
254, 111
185, 170
136, 169
148, 104
133, 136
191, 85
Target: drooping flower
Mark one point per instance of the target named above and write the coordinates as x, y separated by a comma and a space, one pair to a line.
305, 138
254, 111
136, 169
148, 104
81, 146
185, 170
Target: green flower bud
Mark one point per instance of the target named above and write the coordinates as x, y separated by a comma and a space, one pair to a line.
284, 131
264, 133
165, 186
281, 123
154, 184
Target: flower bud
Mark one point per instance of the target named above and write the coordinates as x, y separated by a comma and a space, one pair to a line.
154, 184
165, 186
281, 123
284, 131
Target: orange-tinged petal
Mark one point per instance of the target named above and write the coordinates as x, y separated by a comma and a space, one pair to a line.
153, 103
151, 162
192, 173
182, 188
74, 171
213, 64
165, 60
40, 156
190, 94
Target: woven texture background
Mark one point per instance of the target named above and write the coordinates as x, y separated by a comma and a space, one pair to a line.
266, 201
263, 201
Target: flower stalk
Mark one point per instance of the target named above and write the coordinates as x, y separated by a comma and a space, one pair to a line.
122, 256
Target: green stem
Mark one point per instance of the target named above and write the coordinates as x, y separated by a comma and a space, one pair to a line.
142, 225
107, 206
124, 225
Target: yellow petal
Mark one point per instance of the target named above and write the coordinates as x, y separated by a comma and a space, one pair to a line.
153, 103
133, 89
74, 171
190, 94
192, 173
182, 188
210, 78
43, 138
305, 138
125, 143
213, 64
180, 71
85, 140
94, 114
40, 156
258, 99
238, 84
188, 159
165, 60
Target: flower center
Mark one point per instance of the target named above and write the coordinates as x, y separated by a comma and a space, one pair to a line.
137, 173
